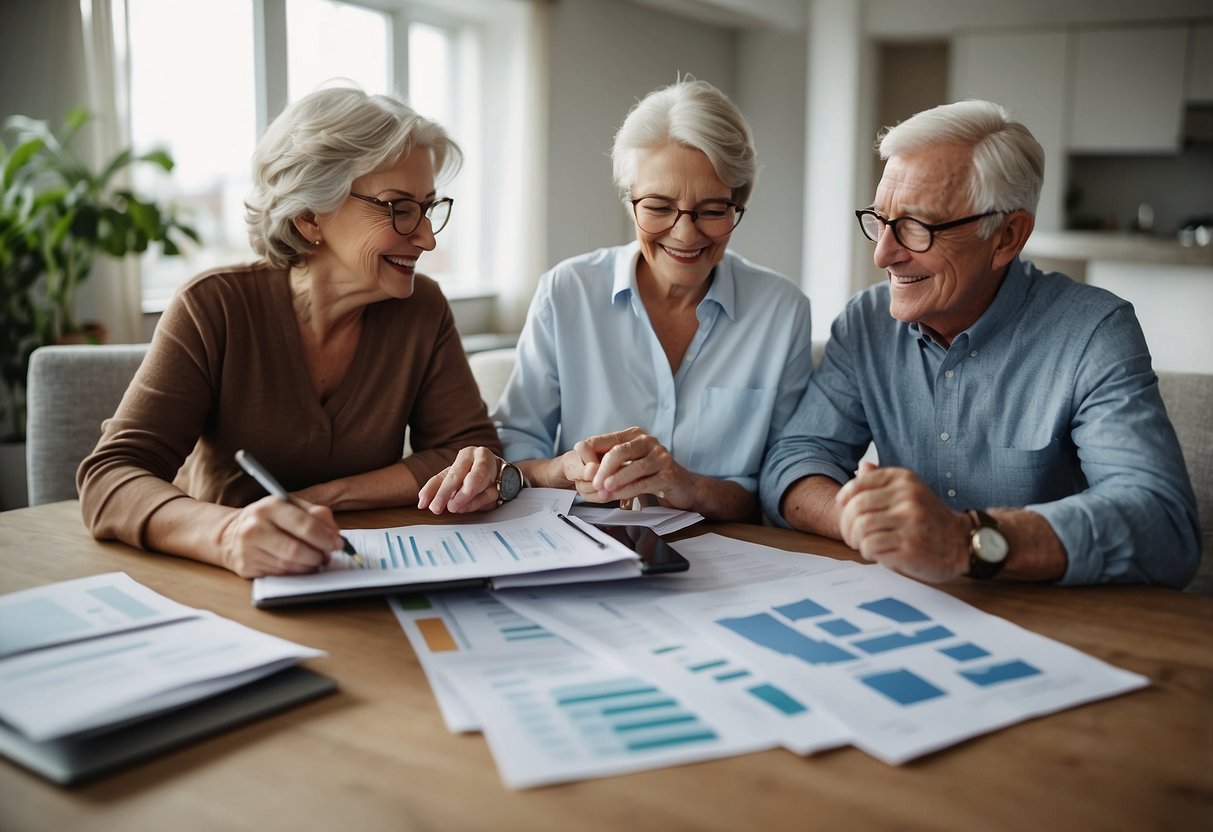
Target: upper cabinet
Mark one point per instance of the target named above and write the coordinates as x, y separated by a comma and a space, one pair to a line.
1025, 72
1200, 65
1128, 90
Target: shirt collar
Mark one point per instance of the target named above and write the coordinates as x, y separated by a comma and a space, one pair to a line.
1010, 297
722, 292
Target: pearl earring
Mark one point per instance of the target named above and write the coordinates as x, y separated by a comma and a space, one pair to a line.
317, 242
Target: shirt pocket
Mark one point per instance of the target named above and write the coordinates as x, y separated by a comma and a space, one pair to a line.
1025, 476
731, 431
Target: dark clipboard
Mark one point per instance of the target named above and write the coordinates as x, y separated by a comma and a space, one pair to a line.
74, 759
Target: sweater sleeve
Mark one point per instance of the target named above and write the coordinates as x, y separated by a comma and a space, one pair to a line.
449, 414
129, 475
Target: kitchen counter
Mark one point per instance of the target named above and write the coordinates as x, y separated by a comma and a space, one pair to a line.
1123, 247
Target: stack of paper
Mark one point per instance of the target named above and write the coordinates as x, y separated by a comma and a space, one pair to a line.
86, 657
752, 648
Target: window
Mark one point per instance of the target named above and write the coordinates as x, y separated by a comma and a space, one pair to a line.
194, 93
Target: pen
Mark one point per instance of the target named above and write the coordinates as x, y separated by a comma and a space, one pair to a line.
257, 471
597, 542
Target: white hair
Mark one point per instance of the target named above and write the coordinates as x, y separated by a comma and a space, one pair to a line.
1008, 163
313, 151
694, 114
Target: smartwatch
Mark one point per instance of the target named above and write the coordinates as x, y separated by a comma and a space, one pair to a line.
509, 481
988, 549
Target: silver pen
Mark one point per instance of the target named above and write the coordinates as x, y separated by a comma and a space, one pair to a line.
257, 471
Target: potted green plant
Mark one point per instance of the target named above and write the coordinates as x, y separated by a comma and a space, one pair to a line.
56, 215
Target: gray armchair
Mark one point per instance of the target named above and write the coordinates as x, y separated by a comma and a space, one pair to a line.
71, 390
1189, 401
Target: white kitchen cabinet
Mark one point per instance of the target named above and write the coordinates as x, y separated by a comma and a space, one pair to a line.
1128, 90
1026, 73
1200, 65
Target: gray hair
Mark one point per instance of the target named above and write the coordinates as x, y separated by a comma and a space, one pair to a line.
313, 151
1008, 163
694, 114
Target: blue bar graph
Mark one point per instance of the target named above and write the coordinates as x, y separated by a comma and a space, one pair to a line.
506, 544
712, 665
1005, 672
731, 675
896, 641
801, 609
895, 610
964, 652
466, 548
902, 686
838, 627
629, 715
766, 630
551, 543
778, 699
123, 603
416, 551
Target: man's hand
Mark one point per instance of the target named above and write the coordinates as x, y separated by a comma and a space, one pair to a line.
892, 518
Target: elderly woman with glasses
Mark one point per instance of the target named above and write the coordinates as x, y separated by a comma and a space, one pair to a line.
314, 360
653, 370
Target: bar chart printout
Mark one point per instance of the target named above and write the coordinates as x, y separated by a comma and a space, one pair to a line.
469, 552
466, 623
554, 719
907, 668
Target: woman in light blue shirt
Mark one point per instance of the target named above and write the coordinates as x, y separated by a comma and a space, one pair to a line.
660, 367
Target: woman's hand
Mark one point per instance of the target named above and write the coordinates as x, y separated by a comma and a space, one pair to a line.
633, 463
274, 537
469, 484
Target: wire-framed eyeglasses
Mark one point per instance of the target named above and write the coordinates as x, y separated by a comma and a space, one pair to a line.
910, 233
715, 218
407, 213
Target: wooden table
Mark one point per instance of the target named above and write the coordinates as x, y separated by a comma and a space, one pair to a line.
376, 755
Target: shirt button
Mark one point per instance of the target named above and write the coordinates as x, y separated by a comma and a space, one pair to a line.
944, 436
948, 374
951, 492
948, 475
973, 354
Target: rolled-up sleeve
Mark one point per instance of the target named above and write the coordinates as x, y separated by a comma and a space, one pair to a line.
827, 433
1136, 522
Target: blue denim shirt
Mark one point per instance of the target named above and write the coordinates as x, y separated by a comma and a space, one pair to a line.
589, 362
1048, 402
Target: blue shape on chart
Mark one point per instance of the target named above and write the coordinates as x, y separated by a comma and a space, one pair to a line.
902, 686
767, 631
778, 699
838, 627
801, 609
964, 652
895, 610
1000, 673
132, 608
896, 641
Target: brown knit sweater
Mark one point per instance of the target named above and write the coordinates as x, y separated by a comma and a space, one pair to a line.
226, 371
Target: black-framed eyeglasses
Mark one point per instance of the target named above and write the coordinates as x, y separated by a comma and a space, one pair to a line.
912, 234
714, 218
407, 213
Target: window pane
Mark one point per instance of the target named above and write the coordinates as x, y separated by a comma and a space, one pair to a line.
327, 40
201, 108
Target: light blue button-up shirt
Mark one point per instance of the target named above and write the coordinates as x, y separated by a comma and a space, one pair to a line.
589, 362
1049, 402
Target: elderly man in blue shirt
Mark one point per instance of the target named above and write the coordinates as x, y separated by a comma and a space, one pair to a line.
1015, 413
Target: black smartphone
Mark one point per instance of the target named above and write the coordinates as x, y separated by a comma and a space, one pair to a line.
656, 556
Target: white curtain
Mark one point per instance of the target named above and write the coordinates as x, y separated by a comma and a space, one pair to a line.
520, 242
113, 293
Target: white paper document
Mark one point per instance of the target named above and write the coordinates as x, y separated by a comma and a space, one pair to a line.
422, 554
907, 668
83, 608
551, 719
660, 519
133, 654
461, 623
623, 622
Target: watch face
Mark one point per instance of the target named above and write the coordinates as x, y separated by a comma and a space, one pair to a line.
509, 482
990, 545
